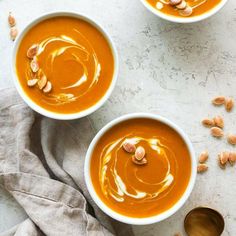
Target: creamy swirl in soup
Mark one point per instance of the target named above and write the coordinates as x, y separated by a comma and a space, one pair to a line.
140, 190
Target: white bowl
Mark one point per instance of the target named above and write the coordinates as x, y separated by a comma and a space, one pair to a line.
43, 111
132, 220
184, 19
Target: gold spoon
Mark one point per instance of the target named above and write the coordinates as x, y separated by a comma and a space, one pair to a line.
203, 221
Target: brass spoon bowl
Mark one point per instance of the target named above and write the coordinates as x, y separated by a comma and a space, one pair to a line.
203, 221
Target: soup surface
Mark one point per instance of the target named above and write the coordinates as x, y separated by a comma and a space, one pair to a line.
74, 56
199, 7
140, 190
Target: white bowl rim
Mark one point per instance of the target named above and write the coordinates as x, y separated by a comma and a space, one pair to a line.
29, 101
147, 220
193, 19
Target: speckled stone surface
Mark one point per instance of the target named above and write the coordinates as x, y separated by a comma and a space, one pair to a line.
168, 69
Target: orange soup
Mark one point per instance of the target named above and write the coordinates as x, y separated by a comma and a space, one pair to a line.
198, 7
65, 64
146, 186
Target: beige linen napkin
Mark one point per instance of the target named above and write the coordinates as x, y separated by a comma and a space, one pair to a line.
41, 166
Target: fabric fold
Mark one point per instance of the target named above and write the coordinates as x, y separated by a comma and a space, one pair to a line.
41, 166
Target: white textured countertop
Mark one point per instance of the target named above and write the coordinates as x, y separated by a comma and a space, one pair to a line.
169, 69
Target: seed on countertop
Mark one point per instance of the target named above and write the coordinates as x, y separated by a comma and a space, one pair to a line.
32, 51
218, 101
208, 122
13, 33
186, 12
175, 2
229, 104
139, 153
203, 157
48, 87
217, 132
232, 158
219, 122
129, 146
181, 5
42, 82
223, 158
220, 164
178, 234
231, 139
32, 82
202, 168
137, 162
34, 65
11, 20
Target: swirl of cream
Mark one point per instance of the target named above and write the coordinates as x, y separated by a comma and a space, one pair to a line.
118, 187
83, 53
